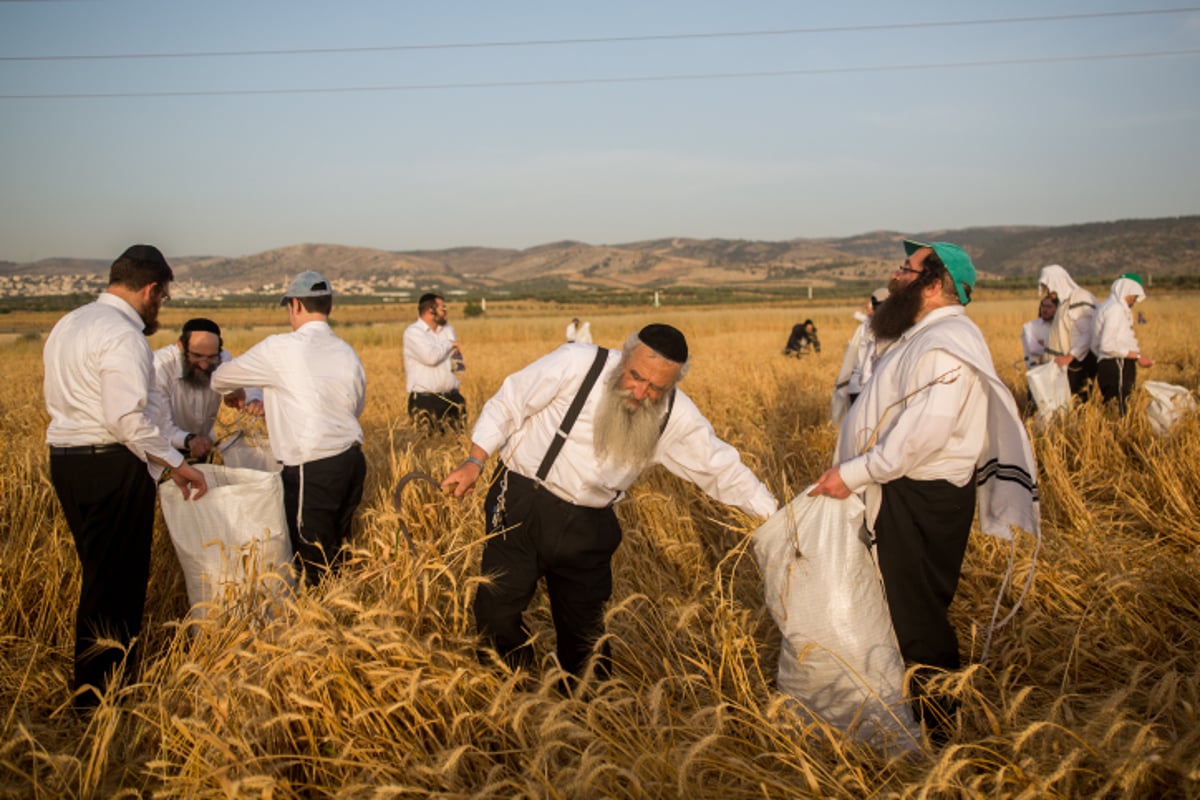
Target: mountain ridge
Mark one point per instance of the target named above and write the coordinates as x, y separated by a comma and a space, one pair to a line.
1162, 246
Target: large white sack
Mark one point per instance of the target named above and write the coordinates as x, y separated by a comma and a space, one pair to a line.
1050, 388
233, 542
1168, 404
839, 655
243, 455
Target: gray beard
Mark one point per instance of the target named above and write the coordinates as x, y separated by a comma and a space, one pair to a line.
622, 436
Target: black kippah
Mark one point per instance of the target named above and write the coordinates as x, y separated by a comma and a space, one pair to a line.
668, 342
145, 252
201, 324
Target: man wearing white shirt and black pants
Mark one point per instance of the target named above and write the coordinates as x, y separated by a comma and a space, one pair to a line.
183, 372
568, 452
932, 427
314, 388
1114, 342
106, 452
432, 360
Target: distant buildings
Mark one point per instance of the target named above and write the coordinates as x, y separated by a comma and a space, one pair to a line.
49, 285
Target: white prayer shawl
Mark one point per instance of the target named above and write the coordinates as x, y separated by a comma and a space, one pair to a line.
1071, 331
1006, 472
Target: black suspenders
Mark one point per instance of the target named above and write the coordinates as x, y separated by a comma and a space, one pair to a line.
560, 436
564, 429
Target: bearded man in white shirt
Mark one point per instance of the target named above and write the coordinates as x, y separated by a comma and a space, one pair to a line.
183, 372
1115, 344
432, 361
1036, 333
858, 359
933, 423
314, 388
105, 455
569, 449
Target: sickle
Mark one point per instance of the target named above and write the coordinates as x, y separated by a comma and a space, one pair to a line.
404, 481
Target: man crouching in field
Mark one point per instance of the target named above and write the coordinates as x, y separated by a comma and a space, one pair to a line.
568, 452
105, 454
933, 422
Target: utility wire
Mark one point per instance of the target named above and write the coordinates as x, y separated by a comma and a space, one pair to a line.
611, 39
414, 87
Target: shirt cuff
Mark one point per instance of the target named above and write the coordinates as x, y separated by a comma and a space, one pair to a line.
854, 473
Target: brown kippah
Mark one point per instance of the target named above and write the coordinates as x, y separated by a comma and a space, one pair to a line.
668, 342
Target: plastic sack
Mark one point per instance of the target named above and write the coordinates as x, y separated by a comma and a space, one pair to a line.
839, 656
1168, 404
233, 542
1050, 389
243, 455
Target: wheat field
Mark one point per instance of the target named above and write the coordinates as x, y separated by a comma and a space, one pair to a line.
371, 686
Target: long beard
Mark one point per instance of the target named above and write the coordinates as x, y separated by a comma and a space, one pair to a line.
626, 436
898, 313
197, 376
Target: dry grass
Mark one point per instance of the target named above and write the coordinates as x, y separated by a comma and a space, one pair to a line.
371, 687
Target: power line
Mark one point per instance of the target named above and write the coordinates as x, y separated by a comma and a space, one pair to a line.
609, 80
610, 39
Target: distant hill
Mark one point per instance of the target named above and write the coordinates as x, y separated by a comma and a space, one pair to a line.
1161, 247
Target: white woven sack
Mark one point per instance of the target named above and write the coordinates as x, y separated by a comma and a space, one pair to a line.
233, 542
839, 655
243, 455
1050, 388
1168, 404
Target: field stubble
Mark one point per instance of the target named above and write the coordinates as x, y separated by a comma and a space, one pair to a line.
371, 687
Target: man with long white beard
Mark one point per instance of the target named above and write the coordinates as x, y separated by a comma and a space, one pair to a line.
933, 426
183, 372
574, 429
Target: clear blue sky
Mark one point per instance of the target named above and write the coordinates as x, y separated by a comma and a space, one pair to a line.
853, 140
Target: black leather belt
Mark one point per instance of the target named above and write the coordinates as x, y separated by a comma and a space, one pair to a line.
86, 449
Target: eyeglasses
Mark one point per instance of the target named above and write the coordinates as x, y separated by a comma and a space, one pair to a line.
211, 359
906, 268
161, 290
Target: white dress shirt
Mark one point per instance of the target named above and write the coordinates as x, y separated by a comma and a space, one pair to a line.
188, 408
521, 418
1034, 335
99, 376
314, 387
1114, 330
427, 351
905, 424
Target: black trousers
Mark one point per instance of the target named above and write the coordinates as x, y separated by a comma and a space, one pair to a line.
108, 501
572, 547
921, 537
1080, 375
1115, 377
332, 489
437, 410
